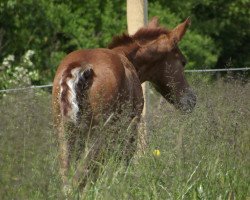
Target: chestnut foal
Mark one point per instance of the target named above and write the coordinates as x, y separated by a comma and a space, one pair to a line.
99, 85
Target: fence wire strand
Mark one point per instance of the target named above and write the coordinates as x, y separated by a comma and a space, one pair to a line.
217, 70
187, 71
26, 88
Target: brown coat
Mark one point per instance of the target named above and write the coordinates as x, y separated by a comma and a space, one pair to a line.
93, 86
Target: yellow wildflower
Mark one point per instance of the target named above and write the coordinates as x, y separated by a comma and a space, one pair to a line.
156, 152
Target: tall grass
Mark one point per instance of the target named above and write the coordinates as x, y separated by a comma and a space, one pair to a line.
203, 155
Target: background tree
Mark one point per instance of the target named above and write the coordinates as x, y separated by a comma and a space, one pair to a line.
218, 37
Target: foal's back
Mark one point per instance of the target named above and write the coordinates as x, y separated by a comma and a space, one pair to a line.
100, 79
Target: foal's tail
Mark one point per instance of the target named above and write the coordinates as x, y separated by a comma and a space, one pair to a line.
75, 80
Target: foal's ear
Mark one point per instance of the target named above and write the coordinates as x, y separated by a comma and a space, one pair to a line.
154, 22
178, 32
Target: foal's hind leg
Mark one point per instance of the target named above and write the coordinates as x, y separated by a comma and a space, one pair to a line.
87, 165
63, 157
70, 146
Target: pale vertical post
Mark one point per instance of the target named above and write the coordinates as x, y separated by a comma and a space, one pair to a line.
137, 17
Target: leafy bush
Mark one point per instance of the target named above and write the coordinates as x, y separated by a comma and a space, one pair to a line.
55, 28
18, 75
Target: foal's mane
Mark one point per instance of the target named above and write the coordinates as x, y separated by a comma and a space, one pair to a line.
143, 34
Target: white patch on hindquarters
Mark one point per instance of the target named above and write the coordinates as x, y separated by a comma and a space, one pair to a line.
72, 82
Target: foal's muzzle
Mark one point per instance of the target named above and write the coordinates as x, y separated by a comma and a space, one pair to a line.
187, 101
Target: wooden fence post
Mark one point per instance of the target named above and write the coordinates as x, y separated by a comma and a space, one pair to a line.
137, 17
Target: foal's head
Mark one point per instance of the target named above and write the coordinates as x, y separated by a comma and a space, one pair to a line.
168, 71
154, 52
165, 63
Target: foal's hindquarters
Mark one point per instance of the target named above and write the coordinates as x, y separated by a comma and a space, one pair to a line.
96, 107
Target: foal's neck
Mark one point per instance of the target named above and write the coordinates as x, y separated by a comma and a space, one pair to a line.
130, 52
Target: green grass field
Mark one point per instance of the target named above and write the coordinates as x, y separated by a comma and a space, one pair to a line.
203, 155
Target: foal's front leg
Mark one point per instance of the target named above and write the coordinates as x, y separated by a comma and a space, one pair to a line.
131, 146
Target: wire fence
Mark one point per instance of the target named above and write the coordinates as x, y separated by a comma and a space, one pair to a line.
187, 71
217, 70
26, 88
